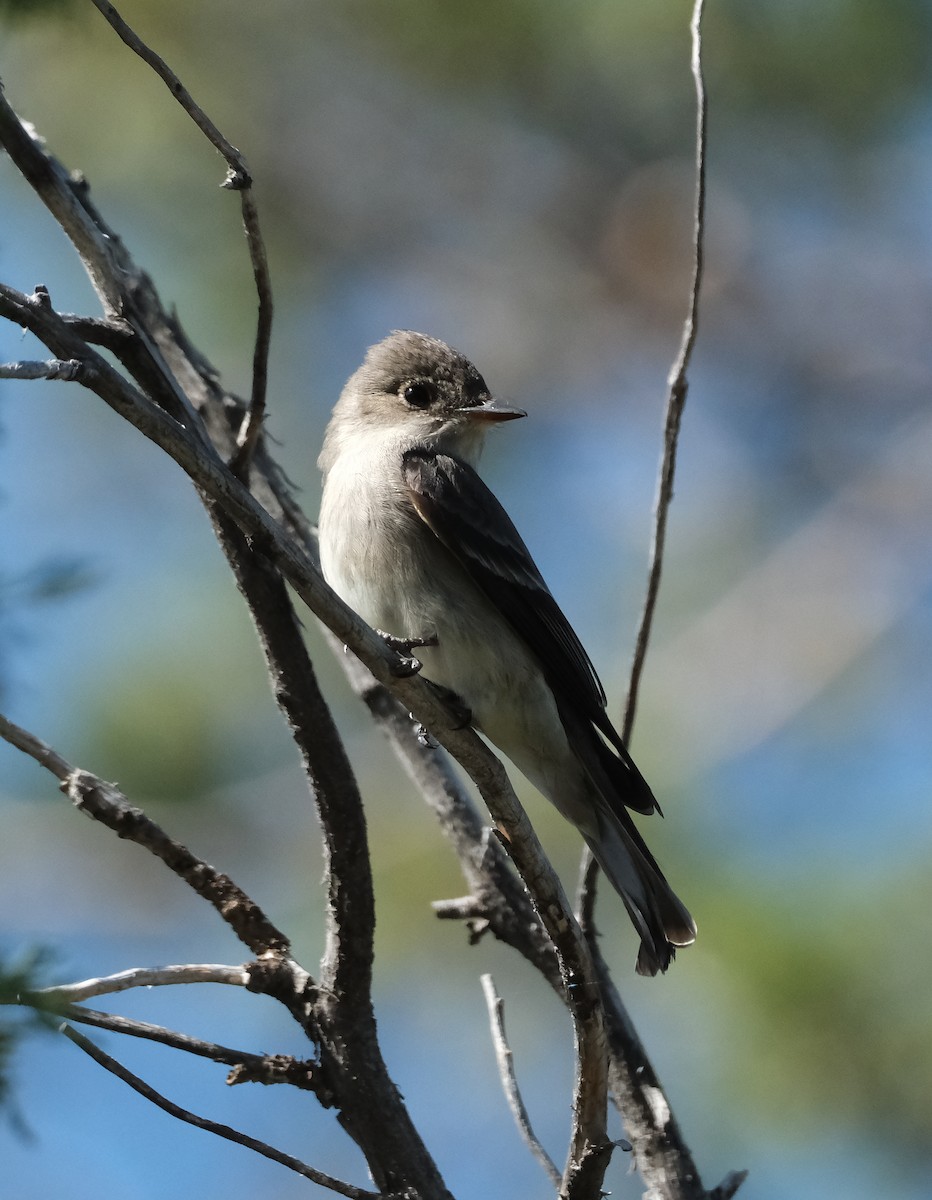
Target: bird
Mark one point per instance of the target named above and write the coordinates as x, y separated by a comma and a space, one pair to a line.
418, 545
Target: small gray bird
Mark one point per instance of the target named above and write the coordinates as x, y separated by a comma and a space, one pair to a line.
414, 541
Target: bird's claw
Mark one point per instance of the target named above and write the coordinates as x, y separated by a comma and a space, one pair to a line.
424, 737
407, 664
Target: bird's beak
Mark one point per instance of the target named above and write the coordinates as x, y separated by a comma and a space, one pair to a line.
494, 410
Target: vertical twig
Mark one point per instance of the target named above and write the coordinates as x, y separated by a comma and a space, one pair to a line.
251, 425
678, 385
662, 1155
506, 1070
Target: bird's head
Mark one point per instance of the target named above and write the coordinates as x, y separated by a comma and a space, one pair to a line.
421, 391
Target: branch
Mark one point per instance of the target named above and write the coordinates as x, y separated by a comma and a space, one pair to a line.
340, 1017
506, 1070
239, 179
661, 1153
104, 802
54, 369
590, 1145
224, 1131
678, 385
498, 902
122, 981
246, 1067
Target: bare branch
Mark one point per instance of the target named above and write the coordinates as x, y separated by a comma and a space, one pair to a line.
729, 1185
678, 384
239, 179
246, 1067
122, 981
234, 158
506, 1070
104, 802
661, 1153
340, 1017
44, 755
53, 369
251, 428
589, 1143
498, 901
224, 1131
115, 334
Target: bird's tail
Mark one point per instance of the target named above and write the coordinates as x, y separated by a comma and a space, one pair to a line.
658, 914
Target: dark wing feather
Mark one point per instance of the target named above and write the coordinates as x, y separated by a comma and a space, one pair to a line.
456, 505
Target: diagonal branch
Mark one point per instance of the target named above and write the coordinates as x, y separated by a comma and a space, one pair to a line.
590, 1147
246, 1066
53, 369
104, 802
498, 902
224, 1131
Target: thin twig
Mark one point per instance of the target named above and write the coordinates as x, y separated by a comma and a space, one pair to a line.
234, 158
506, 1071
44, 755
676, 400
122, 981
729, 1185
678, 385
239, 179
224, 1131
661, 1153
251, 426
246, 1066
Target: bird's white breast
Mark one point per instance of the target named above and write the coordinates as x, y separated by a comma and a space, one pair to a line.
379, 556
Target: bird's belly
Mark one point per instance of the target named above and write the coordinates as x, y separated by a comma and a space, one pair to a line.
409, 585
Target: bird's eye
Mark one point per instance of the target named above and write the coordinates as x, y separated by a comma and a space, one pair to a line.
418, 394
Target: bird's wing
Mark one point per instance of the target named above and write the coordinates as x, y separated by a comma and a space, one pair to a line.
456, 505
465, 516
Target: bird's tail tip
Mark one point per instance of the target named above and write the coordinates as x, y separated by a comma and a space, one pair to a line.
657, 952
657, 913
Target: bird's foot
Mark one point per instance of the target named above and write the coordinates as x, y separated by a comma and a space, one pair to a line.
424, 736
402, 646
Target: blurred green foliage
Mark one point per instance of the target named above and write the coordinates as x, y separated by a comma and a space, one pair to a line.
24, 974
28, 10
833, 1025
848, 66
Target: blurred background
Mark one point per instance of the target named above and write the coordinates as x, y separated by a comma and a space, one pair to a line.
517, 179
